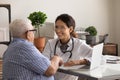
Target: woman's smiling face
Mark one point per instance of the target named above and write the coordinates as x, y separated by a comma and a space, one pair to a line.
62, 31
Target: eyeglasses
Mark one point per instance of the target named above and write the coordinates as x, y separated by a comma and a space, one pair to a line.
34, 30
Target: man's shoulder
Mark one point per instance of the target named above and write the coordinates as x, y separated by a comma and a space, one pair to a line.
22, 45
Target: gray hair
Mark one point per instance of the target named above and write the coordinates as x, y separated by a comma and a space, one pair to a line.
18, 27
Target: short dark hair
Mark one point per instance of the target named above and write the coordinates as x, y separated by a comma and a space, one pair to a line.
67, 19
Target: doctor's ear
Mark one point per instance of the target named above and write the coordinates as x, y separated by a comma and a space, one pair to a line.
71, 29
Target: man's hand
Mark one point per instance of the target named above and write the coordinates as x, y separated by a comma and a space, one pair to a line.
59, 58
56, 61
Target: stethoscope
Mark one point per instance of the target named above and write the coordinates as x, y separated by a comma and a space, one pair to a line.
66, 50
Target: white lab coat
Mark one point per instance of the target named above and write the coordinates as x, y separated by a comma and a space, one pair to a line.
80, 51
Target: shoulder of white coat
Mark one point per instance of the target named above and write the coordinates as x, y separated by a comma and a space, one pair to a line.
79, 41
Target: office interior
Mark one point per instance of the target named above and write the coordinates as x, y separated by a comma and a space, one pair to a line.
103, 14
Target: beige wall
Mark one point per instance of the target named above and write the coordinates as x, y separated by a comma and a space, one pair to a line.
117, 17
104, 14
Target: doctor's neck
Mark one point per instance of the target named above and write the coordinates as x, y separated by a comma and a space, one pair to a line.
64, 41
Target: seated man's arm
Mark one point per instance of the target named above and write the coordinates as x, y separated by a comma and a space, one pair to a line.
56, 61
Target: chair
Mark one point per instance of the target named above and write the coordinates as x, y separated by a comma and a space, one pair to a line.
103, 38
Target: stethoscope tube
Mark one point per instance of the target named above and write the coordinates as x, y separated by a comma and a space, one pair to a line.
65, 51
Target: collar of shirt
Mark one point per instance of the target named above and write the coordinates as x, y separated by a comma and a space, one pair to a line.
69, 43
20, 40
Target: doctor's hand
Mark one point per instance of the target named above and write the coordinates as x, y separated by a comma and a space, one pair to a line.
75, 62
71, 63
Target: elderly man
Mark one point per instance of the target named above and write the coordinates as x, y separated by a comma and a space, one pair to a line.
22, 61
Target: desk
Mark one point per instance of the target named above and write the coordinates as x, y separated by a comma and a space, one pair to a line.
104, 72
76, 73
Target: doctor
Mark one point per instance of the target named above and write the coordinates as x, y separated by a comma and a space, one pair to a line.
71, 49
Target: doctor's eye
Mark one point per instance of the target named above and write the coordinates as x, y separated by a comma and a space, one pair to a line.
59, 28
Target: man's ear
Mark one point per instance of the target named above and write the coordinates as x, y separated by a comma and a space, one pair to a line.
28, 35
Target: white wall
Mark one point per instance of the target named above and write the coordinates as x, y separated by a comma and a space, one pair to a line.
99, 13
85, 12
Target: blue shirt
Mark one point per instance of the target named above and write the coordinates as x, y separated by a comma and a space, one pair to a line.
22, 61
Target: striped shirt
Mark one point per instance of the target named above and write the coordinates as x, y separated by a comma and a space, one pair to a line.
22, 61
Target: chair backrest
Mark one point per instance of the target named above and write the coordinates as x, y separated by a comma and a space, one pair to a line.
103, 38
